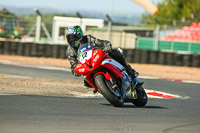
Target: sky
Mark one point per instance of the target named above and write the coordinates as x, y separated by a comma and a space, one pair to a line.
112, 7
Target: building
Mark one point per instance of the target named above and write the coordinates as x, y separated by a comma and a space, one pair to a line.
61, 23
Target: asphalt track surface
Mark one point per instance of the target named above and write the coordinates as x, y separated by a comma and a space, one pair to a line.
43, 114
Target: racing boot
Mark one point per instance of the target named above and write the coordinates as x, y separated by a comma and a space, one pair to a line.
118, 56
131, 71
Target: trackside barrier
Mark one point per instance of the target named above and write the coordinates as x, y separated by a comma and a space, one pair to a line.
163, 58
132, 55
33, 49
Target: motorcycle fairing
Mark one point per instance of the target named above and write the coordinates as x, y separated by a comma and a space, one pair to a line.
113, 62
98, 56
81, 68
89, 61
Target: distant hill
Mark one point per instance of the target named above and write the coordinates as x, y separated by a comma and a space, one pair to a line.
131, 19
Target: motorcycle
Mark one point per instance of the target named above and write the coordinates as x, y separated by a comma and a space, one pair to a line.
109, 77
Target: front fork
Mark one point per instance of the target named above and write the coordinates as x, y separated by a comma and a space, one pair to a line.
126, 84
135, 82
129, 85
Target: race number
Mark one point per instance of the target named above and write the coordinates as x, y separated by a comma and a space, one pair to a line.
86, 56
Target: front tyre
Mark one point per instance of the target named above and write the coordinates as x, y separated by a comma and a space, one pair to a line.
107, 92
141, 99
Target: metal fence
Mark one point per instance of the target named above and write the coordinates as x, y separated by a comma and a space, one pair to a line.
149, 43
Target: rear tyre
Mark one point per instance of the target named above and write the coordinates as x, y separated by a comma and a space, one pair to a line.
106, 91
141, 97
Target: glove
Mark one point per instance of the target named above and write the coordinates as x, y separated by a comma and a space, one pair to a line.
73, 71
108, 47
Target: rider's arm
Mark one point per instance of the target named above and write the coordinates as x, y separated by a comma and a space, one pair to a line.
72, 56
102, 44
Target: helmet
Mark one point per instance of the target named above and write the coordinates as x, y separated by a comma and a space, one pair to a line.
74, 34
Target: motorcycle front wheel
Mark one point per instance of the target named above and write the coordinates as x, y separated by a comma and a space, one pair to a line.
141, 99
114, 98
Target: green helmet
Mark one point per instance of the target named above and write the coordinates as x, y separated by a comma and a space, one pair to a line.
74, 34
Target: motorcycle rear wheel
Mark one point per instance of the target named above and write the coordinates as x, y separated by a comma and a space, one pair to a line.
105, 90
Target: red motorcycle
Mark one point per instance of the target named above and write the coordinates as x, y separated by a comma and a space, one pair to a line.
109, 77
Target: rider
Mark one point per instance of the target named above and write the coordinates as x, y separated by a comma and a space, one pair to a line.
75, 38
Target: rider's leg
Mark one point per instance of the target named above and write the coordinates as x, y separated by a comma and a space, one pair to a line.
118, 56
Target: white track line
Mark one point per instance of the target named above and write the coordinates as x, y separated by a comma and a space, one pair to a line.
184, 81
7, 94
193, 82
34, 66
69, 70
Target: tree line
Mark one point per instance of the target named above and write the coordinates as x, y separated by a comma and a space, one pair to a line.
174, 13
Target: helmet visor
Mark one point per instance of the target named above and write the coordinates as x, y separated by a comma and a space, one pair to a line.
73, 40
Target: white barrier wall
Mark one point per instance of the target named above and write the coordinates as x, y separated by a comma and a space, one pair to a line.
59, 23
118, 39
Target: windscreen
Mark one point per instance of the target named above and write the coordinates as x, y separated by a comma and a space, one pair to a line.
84, 48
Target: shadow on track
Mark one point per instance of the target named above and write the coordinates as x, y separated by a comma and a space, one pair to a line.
133, 106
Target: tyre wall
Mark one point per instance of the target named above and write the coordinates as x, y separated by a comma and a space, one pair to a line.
132, 55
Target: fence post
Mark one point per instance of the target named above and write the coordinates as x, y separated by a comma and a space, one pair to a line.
137, 42
189, 47
172, 46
